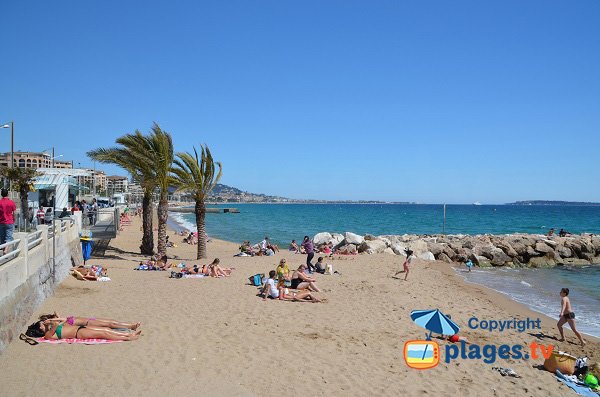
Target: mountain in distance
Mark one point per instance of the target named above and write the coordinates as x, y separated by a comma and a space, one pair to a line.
553, 202
228, 194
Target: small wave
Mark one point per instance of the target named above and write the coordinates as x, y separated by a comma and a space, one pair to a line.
525, 283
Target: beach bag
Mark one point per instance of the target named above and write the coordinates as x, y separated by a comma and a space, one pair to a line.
256, 280
564, 362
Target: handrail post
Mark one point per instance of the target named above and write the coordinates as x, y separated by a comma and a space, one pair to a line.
24, 249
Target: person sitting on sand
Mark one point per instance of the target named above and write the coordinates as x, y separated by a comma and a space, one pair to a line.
301, 281
214, 270
320, 266
53, 329
283, 272
271, 290
162, 263
246, 248
294, 247
567, 316
91, 321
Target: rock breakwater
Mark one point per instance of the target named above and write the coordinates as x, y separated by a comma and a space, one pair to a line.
513, 250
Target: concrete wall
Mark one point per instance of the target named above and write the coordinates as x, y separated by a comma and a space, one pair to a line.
27, 280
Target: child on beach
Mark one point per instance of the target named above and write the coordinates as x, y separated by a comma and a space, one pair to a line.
406, 264
567, 316
469, 265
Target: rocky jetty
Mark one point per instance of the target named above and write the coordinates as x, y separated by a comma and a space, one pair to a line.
512, 250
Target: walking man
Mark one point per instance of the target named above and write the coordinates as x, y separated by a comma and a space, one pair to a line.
7, 220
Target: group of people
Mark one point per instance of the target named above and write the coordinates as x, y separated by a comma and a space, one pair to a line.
53, 326
211, 270
156, 262
293, 286
561, 233
265, 247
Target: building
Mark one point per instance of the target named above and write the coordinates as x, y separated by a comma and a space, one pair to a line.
33, 160
96, 181
117, 184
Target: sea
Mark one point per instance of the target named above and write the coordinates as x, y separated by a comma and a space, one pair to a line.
536, 288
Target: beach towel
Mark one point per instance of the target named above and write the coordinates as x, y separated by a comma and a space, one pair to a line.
194, 276
73, 340
581, 390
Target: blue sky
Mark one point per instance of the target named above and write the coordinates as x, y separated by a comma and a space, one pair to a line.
431, 101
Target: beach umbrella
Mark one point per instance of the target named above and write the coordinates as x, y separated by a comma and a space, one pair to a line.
86, 248
434, 321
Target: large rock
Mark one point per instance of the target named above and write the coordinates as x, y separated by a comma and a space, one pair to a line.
541, 262
347, 249
351, 238
428, 256
321, 238
499, 258
387, 241
596, 243
418, 247
398, 249
532, 253
543, 248
507, 248
336, 239
444, 258
435, 248
388, 250
480, 261
372, 246
574, 262
519, 247
564, 251
551, 243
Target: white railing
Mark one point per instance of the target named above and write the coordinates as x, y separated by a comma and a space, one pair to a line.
11, 251
34, 239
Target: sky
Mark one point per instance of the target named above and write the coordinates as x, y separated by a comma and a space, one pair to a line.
428, 101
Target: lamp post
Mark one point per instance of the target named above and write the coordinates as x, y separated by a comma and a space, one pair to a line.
11, 125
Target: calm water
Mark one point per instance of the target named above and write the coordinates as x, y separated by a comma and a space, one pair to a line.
536, 288
284, 222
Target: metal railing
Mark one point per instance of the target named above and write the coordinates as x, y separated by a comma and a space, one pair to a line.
11, 251
34, 239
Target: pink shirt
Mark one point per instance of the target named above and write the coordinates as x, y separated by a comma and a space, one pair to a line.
7, 207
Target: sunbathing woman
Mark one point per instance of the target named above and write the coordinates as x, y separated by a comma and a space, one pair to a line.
214, 270
302, 281
51, 329
89, 321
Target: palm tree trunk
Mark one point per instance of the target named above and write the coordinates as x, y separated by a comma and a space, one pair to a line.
163, 213
200, 210
24, 207
147, 247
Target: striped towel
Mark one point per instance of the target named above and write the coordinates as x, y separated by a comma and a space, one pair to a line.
73, 340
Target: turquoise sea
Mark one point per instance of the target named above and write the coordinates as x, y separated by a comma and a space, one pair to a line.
536, 288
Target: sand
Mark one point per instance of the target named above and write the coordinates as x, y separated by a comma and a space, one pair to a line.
214, 337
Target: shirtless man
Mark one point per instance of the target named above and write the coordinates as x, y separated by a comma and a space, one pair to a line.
567, 315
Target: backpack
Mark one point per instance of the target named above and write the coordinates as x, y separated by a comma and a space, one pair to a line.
256, 280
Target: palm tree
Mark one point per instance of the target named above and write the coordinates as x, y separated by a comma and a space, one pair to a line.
22, 181
159, 153
197, 176
131, 156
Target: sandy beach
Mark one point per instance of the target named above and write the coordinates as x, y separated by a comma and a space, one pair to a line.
215, 337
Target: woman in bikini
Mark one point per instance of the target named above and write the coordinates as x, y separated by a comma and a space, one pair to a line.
90, 321
53, 329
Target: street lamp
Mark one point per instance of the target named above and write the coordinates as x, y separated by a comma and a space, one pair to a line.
11, 125
55, 157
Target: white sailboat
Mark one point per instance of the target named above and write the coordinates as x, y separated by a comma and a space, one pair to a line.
476, 203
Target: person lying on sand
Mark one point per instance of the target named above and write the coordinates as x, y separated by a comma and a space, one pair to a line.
301, 281
52, 329
89, 321
278, 291
84, 274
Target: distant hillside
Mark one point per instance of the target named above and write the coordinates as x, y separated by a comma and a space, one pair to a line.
550, 202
